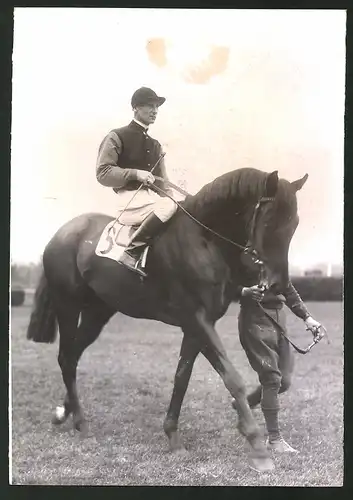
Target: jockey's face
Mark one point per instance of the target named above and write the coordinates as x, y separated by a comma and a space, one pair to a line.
146, 114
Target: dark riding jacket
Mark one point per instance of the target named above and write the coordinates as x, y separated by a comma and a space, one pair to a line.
125, 150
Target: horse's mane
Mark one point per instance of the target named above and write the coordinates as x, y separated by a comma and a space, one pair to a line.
244, 184
239, 187
226, 206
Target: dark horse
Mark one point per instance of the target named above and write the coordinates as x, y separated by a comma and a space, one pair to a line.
192, 276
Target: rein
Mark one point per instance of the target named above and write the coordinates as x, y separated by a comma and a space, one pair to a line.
242, 247
139, 188
247, 249
317, 337
172, 185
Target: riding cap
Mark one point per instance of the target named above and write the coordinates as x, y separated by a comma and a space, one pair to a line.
144, 96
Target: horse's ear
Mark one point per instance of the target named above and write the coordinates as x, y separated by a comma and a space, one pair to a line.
298, 184
272, 184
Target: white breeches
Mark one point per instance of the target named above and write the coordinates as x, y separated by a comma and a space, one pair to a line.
144, 203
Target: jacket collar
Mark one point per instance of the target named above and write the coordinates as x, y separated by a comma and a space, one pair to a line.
139, 126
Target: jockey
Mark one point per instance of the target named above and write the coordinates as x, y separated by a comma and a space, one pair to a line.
126, 157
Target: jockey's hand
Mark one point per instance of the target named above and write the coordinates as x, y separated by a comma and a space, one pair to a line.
145, 177
255, 292
313, 325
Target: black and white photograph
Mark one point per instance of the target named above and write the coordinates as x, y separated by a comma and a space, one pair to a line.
177, 223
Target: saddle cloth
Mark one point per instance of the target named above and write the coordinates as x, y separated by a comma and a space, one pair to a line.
114, 240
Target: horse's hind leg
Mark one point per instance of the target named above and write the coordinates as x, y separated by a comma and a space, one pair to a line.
188, 353
73, 342
67, 316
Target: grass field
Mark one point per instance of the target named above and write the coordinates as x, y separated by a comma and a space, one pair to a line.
125, 381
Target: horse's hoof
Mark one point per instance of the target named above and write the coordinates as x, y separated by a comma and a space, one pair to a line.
82, 427
60, 415
262, 464
180, 451
175, 443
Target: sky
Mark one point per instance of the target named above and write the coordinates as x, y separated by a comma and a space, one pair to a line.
244, 88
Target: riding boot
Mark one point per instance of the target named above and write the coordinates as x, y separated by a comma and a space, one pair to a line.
149, 228
271, 419
270, 410
270, 407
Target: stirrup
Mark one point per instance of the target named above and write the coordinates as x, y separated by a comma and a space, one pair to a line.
135, 265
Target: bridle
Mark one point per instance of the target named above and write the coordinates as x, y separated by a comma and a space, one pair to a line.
248, 249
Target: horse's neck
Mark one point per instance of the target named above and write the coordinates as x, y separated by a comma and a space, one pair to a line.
220, 208
230, 218
219, 200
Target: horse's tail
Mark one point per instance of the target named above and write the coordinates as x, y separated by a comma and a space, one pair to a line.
43, 323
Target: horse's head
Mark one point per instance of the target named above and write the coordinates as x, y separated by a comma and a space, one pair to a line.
272, 227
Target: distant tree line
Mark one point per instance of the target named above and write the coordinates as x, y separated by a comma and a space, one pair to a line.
25, 275
319, 288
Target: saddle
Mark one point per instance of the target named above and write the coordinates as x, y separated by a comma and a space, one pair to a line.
114, 241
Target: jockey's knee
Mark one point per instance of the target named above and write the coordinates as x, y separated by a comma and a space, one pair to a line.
165, 209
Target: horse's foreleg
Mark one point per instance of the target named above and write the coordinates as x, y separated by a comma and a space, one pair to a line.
254, 398
214, 351
188, 353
